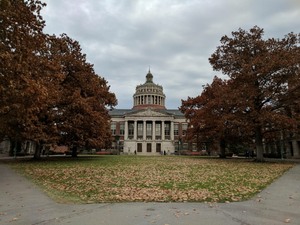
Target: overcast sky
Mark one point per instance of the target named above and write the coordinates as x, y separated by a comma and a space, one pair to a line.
122, 38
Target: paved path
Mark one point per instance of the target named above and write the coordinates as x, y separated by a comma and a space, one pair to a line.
21, 202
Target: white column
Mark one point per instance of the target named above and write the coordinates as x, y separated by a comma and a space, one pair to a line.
126, 130
135, 130
163, 130
172, 131
153, 130
144, 130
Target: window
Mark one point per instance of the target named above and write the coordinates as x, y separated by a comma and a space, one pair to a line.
149, 99
157, 129
149, 129
130, 128
113, 128
176, 132
184, 128
122, 129
167, 128
140, 129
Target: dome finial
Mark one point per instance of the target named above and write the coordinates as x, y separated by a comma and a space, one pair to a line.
149, 77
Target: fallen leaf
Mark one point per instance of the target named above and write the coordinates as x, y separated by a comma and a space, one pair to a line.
287, 220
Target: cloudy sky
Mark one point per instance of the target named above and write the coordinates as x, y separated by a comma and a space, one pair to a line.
122, 38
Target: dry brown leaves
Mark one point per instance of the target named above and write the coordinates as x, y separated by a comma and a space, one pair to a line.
160, 179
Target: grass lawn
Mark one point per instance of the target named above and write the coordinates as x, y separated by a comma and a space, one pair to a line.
160, 179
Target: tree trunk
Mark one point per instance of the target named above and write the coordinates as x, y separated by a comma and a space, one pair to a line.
198, 144
259, 145
37, 153
15, 147
74, 151
12, 149
222, 148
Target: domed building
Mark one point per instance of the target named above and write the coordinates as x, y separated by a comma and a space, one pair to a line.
148, 128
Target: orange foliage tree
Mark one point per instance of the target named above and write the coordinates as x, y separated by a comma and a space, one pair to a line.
24, 81
263, 84
211, 117
49, 93
81, 113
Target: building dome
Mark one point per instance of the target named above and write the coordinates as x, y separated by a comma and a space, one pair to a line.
149, 95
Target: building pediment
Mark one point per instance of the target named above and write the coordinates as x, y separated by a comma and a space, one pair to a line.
148, 113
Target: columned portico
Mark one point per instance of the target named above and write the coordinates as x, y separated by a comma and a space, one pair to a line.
148, 127
152, 132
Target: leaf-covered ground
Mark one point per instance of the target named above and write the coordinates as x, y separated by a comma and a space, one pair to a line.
160, 179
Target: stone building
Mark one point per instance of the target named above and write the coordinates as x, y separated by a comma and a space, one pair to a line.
148, 128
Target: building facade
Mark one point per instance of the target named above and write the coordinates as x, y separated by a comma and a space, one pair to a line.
148, 128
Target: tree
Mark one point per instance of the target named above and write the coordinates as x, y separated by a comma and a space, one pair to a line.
211, 116
49, 93
264, 76
24, 83
81, 113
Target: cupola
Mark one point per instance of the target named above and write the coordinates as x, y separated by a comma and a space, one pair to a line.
149, 95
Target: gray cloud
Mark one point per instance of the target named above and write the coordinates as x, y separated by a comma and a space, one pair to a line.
174, 37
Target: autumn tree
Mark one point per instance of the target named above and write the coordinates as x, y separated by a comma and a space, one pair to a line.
211, 116
25, 82
264, 78
49, 93
81, 113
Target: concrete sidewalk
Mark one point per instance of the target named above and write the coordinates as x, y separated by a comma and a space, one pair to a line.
22, 202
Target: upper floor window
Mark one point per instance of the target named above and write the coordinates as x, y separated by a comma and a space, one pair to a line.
113, 128
130, 128
157, 129
140, 129
149, 129
167, 128
184, 128
122, 129
176, 129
